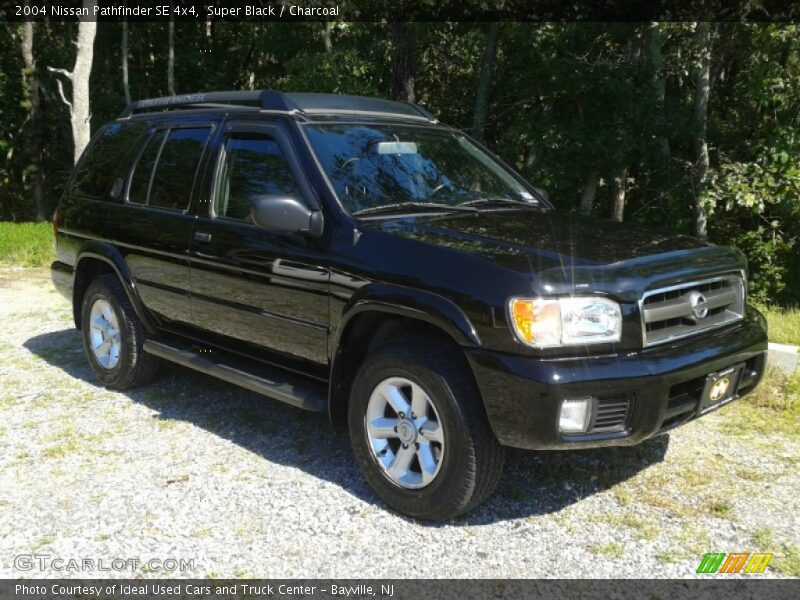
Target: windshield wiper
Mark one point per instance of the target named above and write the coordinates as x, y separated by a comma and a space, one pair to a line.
500, 202
401, 207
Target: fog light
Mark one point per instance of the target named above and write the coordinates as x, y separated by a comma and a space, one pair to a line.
575, 415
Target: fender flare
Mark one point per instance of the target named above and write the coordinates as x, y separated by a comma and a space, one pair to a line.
402, 302
408, 302
110, 255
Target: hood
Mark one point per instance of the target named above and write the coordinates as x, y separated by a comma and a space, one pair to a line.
564, 252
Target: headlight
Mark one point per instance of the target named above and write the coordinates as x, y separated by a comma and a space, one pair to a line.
545, 323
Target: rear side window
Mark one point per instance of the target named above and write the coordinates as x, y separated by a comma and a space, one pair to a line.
167, 167
252, 165
143, 173
100, 162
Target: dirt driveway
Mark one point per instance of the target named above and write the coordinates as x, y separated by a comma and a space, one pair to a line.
225, 483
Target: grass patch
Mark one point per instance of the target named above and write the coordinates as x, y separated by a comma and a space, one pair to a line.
720, 508
669, 556
44, 541
611, 550
784, 325
774, 407
644, 530
70, 441
26, 244
764, 539
789, 563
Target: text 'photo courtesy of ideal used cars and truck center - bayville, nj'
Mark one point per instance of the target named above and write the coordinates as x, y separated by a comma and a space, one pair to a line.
295, 294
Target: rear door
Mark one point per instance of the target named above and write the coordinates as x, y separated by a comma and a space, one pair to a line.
153, 226
250, 285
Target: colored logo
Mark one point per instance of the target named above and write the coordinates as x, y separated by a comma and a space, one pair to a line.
719, 389
736, 562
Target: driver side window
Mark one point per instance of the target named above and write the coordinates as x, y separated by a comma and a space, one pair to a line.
251, 165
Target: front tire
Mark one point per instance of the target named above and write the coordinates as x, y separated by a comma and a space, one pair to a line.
113, 336
419, 432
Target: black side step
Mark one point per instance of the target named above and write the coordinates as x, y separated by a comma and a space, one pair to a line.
257, 378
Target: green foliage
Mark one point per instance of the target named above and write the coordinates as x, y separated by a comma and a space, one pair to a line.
568, 103
26, 244
784, 327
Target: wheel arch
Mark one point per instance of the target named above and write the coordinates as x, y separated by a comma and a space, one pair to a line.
100, 258
379, 314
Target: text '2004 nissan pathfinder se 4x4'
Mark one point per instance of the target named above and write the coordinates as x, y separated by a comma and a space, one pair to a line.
353, 255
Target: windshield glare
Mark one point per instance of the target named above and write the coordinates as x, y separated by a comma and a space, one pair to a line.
377, 165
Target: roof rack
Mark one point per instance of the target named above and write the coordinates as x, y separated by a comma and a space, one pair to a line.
289, 103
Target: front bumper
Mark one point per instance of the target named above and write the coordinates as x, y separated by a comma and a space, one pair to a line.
661, 386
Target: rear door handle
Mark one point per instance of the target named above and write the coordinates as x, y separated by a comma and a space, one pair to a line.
202, 237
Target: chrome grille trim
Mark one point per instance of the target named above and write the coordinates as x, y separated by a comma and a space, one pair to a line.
671, 317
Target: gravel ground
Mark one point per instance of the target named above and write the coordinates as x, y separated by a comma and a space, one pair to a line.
194, 469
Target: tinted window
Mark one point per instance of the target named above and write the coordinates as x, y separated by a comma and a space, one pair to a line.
252, 165
99, 164
140, 182
177, 165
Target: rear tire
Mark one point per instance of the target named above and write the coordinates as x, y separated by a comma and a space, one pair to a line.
431, 466
113, 336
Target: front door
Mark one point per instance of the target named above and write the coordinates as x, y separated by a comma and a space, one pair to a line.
249, 285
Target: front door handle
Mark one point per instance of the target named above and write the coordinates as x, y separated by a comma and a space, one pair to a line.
202, 237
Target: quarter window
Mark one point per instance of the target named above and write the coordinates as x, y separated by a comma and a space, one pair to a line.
252, 165
99, 163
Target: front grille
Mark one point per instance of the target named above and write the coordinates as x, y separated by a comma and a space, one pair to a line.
612, 414
690, 308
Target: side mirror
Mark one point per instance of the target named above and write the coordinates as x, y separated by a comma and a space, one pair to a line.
285, 214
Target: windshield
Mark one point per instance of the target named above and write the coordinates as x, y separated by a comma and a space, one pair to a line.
379, 165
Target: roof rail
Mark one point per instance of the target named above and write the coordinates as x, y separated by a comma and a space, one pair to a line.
274, 101
264, 99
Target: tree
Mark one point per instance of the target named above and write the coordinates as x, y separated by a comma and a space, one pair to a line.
326, 37
125, 84
79, 107
404, 40
618, 188
702, 40
589, 192
171, 57
482, 94
659, 86
32, 95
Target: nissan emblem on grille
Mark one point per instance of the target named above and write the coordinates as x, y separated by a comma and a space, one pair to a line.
699, 305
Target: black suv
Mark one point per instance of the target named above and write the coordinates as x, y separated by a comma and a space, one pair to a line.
355, 256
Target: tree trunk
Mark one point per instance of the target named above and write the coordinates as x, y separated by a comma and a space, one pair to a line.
30, 82
485, 79
326, 37
659, 86
589, 193
125, 85
404, 40
79, 107
171, 58
702, 39
618, 195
